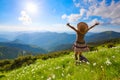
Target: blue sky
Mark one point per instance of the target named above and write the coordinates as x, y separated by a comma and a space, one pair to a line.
52, 15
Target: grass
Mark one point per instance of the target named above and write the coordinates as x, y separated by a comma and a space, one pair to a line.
104, 65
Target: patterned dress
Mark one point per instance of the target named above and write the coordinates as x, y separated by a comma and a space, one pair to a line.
80, 47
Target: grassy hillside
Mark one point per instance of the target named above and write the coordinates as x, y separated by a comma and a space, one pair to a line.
104, 65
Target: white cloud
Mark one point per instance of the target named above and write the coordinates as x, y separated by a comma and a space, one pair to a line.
111, 12
18, 28
74, 17
96, 8
33, 28
104, 28
25, 18
82, 11
64, 16
116, 21
93, 22
54, 28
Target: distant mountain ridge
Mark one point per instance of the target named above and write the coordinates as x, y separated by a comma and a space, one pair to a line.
9, 50
29, 48
107, 35
47, 42
52, 40
3, 39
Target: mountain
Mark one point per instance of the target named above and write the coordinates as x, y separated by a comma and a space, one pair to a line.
90, 33
107, 35
3, 39
10, 35
47, 40
51, 41
17, 41
61, 47
9, 52
29, 48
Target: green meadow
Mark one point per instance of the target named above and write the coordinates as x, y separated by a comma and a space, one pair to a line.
104, 64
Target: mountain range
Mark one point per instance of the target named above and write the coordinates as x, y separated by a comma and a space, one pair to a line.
107, 35
46, 40
10, 50
49, 40
43, 42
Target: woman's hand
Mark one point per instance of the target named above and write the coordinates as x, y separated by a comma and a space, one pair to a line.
97, 23
68, 24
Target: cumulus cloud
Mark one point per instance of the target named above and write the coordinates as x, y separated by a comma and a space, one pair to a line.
112, 11
82, 11
104, 10
64, 16
25, 18
115, 21
101, 9
74, 17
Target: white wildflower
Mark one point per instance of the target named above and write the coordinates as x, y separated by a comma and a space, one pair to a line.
88, 63
53, 76
33, 70
58, 67
113, 56
80, 61
62, 74
94, 64
92, 71
101, 66
72, 56
49, 78
68, 75
108, 62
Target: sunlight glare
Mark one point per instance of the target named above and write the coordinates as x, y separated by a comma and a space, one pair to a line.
31, 7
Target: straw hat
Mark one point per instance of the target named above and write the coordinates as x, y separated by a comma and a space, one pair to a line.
82, 27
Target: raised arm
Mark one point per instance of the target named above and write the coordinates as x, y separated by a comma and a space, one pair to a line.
93, 26
71, 27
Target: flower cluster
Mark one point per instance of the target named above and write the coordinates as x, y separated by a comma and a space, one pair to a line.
108, 62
